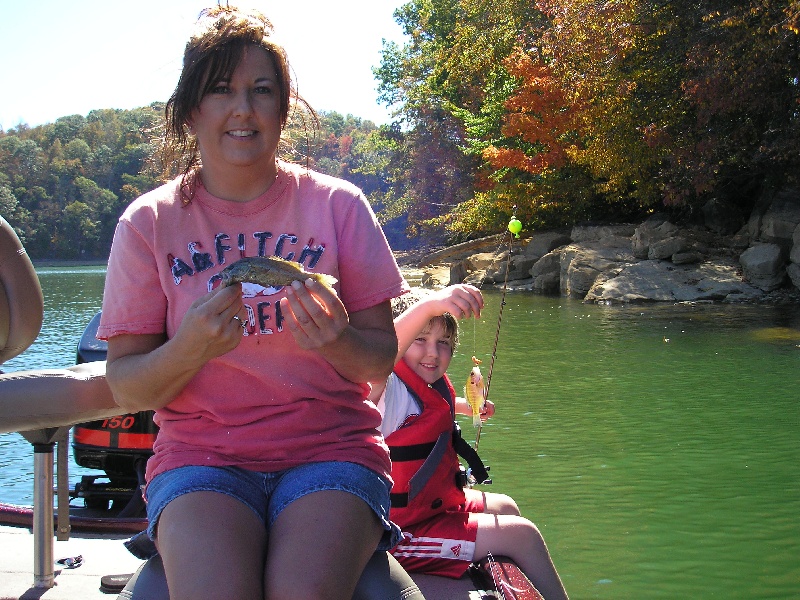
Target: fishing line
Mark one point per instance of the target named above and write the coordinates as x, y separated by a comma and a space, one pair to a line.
500, 314
514, 227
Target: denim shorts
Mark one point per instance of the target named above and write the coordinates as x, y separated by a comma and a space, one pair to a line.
267, 494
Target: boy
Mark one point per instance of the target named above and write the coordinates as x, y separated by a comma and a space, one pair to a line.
445, 526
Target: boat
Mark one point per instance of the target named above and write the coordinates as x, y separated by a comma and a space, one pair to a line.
44, 404
101, 565
110, 510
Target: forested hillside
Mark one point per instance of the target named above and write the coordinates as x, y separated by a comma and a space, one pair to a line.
64, 184
590, 109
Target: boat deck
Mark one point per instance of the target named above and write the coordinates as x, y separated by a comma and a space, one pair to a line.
103, 554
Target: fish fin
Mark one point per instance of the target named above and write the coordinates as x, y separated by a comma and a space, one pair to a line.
329, 279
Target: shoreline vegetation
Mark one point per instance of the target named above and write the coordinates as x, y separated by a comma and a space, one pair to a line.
405, 258
44, 262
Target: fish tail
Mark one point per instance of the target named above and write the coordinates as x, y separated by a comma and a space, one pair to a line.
328, 280
476, 419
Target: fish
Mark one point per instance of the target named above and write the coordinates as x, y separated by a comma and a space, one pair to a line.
271, 271
475, 392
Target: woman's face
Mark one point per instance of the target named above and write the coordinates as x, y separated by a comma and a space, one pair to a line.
238, 122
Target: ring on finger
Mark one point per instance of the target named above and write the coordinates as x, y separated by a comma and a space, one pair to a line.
242, 324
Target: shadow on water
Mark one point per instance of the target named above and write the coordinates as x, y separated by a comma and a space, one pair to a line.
656, 446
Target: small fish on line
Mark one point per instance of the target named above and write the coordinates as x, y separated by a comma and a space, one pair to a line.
475, 392
270, 271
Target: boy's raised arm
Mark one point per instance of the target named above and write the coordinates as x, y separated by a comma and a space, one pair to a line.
461, 301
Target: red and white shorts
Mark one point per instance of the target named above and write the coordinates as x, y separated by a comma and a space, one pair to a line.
444, 544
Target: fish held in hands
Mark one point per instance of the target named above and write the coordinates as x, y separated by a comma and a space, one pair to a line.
270, 271
475, 392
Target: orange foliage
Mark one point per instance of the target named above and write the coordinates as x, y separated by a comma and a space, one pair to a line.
539, 113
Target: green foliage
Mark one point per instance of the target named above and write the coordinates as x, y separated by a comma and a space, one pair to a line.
63, 185
70, 180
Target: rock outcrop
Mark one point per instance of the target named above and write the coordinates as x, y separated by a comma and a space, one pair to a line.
726, 259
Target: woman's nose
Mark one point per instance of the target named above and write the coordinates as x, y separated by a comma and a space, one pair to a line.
243, 103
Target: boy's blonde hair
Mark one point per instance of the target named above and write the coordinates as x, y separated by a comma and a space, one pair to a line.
446, 320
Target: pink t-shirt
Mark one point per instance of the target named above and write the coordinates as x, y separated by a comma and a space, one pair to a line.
267, 405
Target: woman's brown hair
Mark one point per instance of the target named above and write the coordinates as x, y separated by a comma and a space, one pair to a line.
213, 52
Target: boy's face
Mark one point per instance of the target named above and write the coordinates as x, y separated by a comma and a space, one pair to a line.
430, 354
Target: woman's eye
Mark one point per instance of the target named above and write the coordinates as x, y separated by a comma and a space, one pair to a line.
219, 89
263, 89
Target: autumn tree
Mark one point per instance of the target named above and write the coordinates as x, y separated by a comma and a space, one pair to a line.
743, 66
587, 109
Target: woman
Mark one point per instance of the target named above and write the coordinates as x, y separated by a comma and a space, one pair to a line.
269, 478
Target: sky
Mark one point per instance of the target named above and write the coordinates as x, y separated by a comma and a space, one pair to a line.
62, 58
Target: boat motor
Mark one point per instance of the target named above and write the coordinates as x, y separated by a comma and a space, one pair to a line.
118, 446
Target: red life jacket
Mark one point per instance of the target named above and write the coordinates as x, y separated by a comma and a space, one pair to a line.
425, 466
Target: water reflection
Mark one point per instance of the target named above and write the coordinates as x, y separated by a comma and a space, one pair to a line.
72, 296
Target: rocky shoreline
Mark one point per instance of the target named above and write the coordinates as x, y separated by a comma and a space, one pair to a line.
724, 257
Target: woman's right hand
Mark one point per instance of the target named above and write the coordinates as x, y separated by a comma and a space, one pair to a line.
146, 372
208, 328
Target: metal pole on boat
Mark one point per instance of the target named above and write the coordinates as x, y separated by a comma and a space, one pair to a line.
43, 571
62, 485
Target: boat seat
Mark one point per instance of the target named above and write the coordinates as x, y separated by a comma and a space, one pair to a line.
21, 300
383, 579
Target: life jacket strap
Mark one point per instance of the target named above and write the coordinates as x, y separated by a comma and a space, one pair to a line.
479, 471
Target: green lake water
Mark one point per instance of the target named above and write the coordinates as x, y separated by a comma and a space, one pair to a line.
657, 447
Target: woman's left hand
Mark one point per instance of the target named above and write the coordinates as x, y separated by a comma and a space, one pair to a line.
360, 346
314, 314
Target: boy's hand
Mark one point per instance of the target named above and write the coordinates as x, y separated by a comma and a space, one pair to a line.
487, 410
463, 408
461, 300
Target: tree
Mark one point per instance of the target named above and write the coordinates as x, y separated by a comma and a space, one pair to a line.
78, 233
16, 214
596, 109
742, 83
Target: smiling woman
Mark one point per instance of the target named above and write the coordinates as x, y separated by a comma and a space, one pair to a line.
237, 125
267, 444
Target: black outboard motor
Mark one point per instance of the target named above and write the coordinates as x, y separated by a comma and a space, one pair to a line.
119, 446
